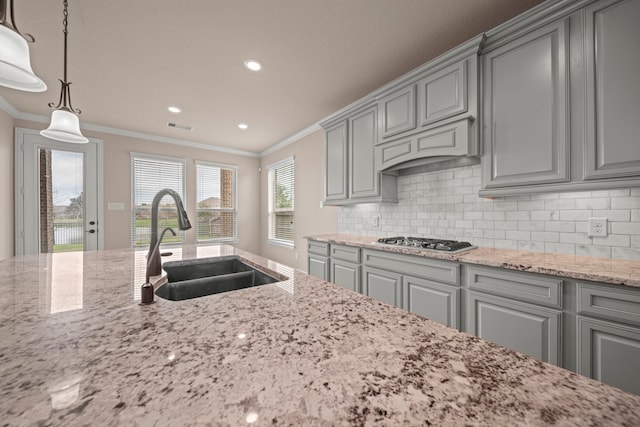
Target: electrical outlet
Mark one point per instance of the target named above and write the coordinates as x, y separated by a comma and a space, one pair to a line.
376, 221
598, 227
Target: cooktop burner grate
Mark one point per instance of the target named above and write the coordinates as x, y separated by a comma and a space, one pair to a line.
426, 243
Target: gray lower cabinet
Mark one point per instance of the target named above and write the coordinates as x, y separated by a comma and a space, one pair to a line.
428, 287
383, 285
527, 328
609, 352
519, 310
608, 331
432, 300
318, 259
345, 274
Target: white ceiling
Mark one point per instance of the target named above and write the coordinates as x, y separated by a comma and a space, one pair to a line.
129, 60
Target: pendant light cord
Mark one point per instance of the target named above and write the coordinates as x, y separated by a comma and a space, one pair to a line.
64, 103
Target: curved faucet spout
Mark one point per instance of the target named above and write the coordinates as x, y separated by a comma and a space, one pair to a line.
155, 268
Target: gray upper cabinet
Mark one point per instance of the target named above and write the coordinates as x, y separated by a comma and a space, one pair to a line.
351, 175
364, 180
398, 112
429, 114
526, 110
613, 92
443, 94
560, 99
336, 162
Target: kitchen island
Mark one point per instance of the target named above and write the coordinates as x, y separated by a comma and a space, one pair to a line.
77, 348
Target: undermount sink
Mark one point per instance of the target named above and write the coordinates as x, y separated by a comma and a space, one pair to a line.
196, 278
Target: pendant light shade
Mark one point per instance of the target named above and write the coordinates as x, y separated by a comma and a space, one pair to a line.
15, 64
65, 126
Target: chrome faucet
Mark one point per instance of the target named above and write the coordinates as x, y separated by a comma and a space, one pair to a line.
154, 262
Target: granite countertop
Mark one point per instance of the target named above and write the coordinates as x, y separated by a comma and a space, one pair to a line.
76, 348
604, 270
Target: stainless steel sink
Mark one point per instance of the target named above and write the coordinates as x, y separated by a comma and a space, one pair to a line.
196, 278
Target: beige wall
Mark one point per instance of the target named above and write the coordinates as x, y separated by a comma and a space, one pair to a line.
309, 218
6, 185
117, 185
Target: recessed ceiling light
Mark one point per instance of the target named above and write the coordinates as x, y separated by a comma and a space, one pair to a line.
174, 109
243, 126
253, 64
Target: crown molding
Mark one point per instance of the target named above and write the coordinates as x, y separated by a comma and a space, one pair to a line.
20, 115
290, 140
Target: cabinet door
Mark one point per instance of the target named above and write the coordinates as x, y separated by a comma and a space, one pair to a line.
526, 110
346, 274
398, 112
432, 300
443, 94
318, 266
363, 178
336, 158
383, 285
613, 91
609, 352
527, 328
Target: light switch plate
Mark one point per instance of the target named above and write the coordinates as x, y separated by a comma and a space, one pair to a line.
598, 227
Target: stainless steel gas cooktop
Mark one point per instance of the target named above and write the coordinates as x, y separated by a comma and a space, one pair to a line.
439, 245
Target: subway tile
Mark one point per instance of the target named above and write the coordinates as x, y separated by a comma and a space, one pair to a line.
506, 225
506, 244
625, 253
625, 202
635, 191
518, 216
473, 215
494, 234
575, 238
473, 232
576, 215
486, 243
593, 203
505, 206
563, 226
531, 225
560, 248
531, 205
495, 215
541, 215
625, 227
560, 204
464, 224
621, 215
545, 236
595, 251
575, 195
613, 240
486, 225
518, 235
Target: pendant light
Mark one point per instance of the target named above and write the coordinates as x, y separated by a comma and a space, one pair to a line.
15, 64
65, 125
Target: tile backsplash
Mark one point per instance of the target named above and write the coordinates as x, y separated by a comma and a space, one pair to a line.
445, 204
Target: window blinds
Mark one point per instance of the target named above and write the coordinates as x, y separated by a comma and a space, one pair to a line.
281, 201
150, 175
216, 202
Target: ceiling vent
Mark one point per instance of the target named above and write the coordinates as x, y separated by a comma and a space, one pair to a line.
177, 126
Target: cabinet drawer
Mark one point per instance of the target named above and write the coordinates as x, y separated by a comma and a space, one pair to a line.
519, 286
417, 266
615, 304
318, 248
346, 253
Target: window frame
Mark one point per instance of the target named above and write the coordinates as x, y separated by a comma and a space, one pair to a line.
270, 203
159, 158
235, 169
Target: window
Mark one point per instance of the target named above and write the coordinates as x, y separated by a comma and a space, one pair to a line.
150, 174
281, 202
216, 202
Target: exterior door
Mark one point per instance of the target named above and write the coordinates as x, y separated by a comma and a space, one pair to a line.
57, 200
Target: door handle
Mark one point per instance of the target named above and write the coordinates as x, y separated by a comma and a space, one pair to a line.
90, 231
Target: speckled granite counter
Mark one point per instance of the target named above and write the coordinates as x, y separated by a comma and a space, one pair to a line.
605, 270
76, 348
